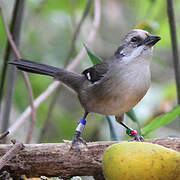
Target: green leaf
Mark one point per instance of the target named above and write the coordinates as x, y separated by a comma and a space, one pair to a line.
131, 114
94, 59
161, 120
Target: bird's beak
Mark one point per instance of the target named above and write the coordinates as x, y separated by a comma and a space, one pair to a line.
151, 40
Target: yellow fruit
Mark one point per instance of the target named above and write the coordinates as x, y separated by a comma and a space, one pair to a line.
140, 161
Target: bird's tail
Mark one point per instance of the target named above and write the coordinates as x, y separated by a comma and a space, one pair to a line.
35, 67
71, 79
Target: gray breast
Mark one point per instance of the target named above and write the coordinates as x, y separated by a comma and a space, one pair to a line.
117, 92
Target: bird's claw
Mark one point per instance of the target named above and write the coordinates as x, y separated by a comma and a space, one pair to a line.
76, 139
137, 137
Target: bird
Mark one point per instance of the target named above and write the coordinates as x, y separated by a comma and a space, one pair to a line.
111, 87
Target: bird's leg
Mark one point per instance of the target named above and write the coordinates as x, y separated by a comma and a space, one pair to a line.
77, 138
129, 131
132, 133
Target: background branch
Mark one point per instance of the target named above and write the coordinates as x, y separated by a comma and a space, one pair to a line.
172, 24
4, 134
77, 31
9, 54
71, 66
70, 53
15, 29
57, 160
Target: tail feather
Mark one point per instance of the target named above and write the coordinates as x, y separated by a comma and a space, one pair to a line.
71, 79
35, 67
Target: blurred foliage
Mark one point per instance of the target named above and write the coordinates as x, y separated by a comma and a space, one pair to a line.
170, 90
160, 121
46, 36
66, 5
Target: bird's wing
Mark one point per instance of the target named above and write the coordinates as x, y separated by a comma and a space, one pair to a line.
96, 72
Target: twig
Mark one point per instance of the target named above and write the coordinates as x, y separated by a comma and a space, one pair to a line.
55, 84
172, 24
56, 159
6, 57
10, 38
72, 46
3, 135
15, 29
97, 13
15, 50
33, 111
10, 154
46, 122
76, 33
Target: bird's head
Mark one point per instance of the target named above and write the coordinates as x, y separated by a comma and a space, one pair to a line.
137, 43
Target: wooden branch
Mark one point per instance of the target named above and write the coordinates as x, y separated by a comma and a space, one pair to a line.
10, 153
57, 160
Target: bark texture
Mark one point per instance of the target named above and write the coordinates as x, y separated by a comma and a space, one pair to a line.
57, 160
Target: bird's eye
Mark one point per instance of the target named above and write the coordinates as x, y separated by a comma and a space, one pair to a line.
134, 39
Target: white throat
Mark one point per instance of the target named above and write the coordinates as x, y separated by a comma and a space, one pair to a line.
142, 53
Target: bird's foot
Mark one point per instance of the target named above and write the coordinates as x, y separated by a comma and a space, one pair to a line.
135, 136
76, 139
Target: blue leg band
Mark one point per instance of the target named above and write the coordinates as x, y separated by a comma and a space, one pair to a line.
81, 124
82, 121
